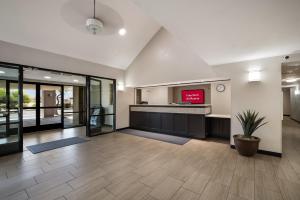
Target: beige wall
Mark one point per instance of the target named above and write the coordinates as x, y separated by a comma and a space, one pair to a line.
166, 60
155, 95
221, 101
124, 99
34, 57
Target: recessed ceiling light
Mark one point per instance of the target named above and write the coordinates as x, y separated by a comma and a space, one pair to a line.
47, 77
76, 81
2, 72
122, 31
291, 80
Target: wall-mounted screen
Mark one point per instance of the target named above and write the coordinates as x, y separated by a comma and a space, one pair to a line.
193, 96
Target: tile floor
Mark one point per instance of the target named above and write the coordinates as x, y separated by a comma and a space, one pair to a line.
125, 167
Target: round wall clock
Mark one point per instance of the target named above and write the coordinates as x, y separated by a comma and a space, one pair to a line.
220, 88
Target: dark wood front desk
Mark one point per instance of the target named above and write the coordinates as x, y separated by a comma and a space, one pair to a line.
186, 121
218, 126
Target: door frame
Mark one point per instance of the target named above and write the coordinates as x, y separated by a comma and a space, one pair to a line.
14, 147
88, 117
38, 126
80, 111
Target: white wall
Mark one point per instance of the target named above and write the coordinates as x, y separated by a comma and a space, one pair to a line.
264, 97
33, 57
221, 101
166, 60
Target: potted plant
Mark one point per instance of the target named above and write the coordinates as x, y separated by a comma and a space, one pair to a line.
246, 144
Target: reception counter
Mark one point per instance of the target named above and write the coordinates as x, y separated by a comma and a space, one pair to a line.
193, 121
179, 120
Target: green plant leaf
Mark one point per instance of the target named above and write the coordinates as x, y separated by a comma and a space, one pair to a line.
250, 122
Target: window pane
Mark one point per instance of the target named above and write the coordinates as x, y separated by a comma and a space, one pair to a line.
74, 99
108, 123
9, 134
95, 89
50, 116
50, 96
29, 117
95, 123
14, 95
68, 98
29, 95
107, 93
102, 95
102, 124
13, 115
3, 95
74, 119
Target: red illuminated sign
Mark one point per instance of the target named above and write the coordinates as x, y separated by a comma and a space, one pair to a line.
193, 96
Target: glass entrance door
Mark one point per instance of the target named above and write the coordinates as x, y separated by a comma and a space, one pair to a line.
11, 138
101, 106
74, 106
50, 106
42, 106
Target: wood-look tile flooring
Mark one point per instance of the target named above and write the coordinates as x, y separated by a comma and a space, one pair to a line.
125, 167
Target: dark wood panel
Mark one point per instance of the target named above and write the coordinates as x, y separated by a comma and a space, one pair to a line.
185, 125
180, 125
166, 122
138, 120
196, 126
218, 127
154, 121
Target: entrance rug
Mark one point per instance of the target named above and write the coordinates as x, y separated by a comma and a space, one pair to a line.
156, 136
38, 148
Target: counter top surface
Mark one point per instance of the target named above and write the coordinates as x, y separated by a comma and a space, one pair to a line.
173, 105
218, 116
183, 109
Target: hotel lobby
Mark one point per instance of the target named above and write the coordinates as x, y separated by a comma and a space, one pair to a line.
149, 100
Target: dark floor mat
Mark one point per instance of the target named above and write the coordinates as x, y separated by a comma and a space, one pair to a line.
38, 148
157, 136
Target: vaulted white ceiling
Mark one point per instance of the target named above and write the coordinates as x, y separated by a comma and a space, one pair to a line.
224, 31
219, 31
58, 26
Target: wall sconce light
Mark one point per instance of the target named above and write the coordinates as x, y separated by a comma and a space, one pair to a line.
254, 76
120, 86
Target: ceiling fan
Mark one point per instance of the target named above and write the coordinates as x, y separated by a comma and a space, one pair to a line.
97, 18
94, 25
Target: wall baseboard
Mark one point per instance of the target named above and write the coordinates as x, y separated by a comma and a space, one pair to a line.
119, 129
270, 153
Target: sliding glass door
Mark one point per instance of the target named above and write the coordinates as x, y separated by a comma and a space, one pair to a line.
101, 106
11, 138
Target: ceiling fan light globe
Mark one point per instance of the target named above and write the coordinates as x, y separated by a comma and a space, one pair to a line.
94, 25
